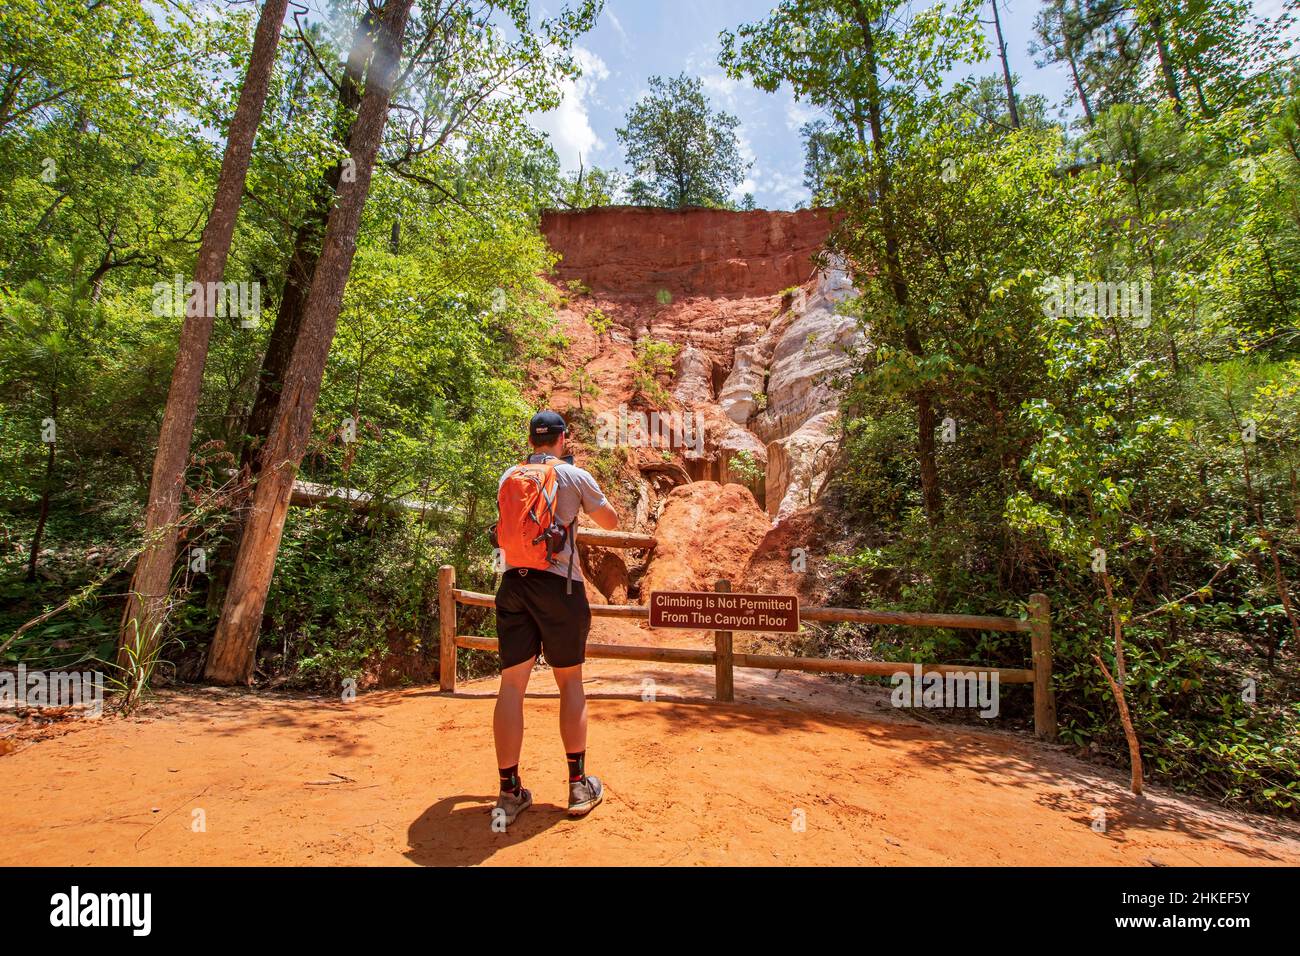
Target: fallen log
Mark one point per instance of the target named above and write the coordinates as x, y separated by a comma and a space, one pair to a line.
616, 539
312, 495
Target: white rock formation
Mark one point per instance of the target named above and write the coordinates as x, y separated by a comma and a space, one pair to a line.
693, 382
815, 347
794, 363
738, 394
796, 465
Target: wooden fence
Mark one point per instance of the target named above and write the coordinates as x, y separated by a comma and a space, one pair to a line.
724, 659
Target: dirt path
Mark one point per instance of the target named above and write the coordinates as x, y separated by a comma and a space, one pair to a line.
407, 777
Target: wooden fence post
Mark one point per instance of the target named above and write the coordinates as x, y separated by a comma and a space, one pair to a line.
724, 684
1040, 636
446, 628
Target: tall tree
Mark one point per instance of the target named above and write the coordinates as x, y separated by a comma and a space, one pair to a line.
462, 77
819, 156
305, 252
232, 654
1151, 19
307, 242
682, 151
1057, 40
878, 74
150, 583
1006, 69
465, 77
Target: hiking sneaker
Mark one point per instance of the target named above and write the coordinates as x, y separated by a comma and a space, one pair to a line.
584, 795
512, 805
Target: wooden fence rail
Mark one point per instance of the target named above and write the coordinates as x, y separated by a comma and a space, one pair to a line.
724, 660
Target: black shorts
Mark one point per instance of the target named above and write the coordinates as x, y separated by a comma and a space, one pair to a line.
534, 614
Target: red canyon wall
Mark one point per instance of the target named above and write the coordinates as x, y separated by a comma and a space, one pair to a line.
693, 252
753, 369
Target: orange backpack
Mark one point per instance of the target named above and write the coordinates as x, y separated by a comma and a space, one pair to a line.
526, 530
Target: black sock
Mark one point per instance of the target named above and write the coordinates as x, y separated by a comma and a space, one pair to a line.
510, 780
575, 765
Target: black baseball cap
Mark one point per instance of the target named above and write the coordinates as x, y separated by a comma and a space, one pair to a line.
546, 423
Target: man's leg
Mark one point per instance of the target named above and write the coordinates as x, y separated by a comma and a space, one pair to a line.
518, 643
573, 708
508, 717
508, 731
585, 792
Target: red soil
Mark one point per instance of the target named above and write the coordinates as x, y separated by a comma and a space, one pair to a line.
407, 776
707, 531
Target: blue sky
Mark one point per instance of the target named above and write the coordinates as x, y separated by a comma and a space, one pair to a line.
635, 39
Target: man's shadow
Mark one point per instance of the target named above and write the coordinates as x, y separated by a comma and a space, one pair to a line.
458, 831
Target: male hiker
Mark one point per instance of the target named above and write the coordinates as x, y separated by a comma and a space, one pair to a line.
542, 605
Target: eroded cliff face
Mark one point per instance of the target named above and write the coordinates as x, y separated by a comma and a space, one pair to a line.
761, 347
709, 253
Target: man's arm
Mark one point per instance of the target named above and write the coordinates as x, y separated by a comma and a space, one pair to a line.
595, 503
605, 516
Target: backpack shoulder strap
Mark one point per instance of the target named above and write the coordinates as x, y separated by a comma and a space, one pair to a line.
573, 550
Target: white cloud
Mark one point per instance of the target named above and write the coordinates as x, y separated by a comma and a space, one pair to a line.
796, 114
569, 124
723, 90
618, 28
788, 190
726, 92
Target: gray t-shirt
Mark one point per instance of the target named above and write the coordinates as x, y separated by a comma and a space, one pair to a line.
574, 489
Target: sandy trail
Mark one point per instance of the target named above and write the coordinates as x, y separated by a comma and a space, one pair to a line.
407, 777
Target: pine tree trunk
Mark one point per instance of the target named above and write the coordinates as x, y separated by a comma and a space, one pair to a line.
925, 417
288, 316
1166, 63
306, 254
232, 655
152, 578
47, 490
1006, 69
1079, 89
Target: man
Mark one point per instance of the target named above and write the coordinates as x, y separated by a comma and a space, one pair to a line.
542, 610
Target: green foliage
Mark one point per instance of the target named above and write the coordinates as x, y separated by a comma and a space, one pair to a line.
682, 151
743, 466
606, 464
600, 323
1161, 441
584, 386
104, 187
652, 360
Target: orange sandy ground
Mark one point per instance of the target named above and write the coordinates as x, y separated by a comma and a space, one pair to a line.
408, 777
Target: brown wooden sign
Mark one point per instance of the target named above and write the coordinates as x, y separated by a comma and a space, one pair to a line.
709, 611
